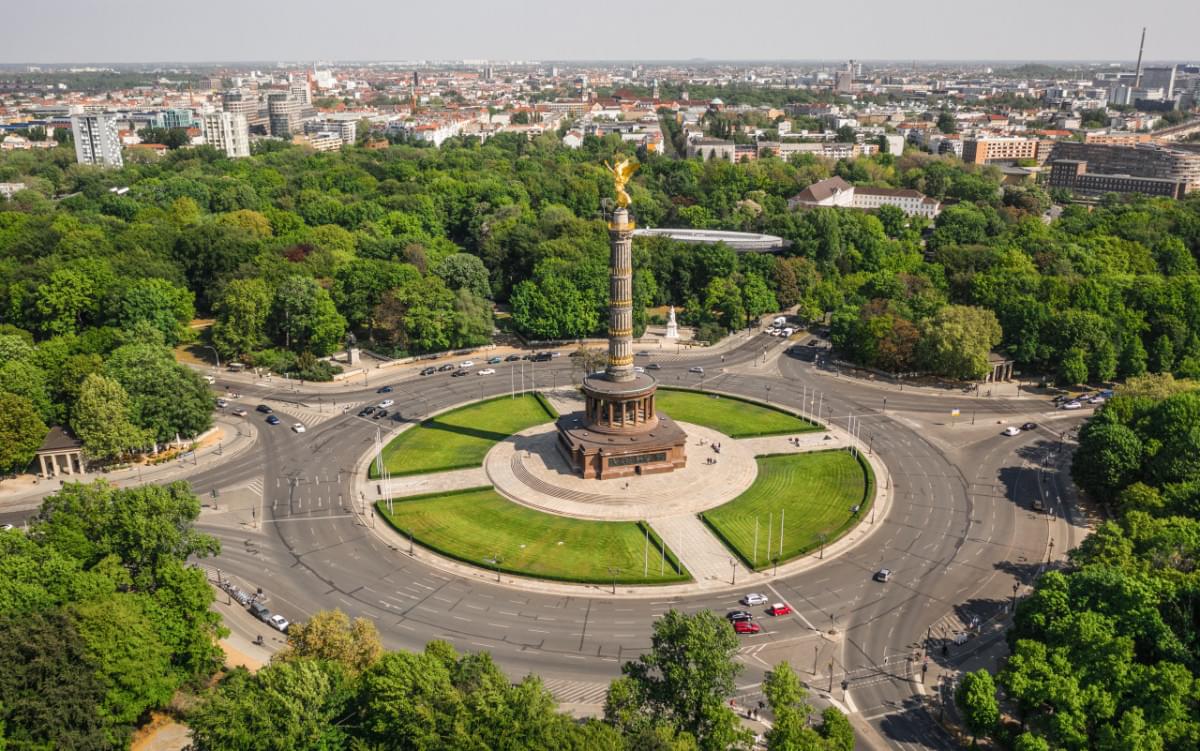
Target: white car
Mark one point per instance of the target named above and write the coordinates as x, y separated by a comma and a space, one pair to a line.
466, 364
210, 380
1072, 405
1012, 430
278, 622
239, 412
638, 369
488, 371
5, 527
222, 403
386, 403
754, 598
298, 427
1096, 400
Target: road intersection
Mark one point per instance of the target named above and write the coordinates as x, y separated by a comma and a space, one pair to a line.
959, 535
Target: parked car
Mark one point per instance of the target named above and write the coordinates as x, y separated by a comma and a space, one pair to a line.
746, 627
278, 622
883, 575
653, 366
299, 427
466, 364
259, 611
428, 371
488, 371
384, 390
1029, 426
512, 358
1072, 405
754, 598
239, 412
222, 403
696, 369
779, 608
264, 409
447, 366
1097, 399
1038, 506
273, 420
739, 615
542, 357
556, 354
494, 360
458, 373
1012, 430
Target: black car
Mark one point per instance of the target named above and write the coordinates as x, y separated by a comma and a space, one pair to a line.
379, 414
428, 371
739, 615
384, 390
273, 420
264, 409
653, 366
542, 357
1029, 426
458, 373
447, 366
527, 356
512, 358
368, 410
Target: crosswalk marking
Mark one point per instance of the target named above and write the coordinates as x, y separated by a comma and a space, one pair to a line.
577, 692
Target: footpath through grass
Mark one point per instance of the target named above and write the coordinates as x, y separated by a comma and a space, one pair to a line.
813, 492
736, 418
462, 437
481, 527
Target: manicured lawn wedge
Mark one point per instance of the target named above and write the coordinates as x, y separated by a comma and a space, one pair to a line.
736, 418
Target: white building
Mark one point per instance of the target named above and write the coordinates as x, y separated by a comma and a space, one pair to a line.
97, 140
227, 132
836, 192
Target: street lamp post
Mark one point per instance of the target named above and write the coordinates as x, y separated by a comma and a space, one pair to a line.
613, 571
1016, 586
732, 572
215, 354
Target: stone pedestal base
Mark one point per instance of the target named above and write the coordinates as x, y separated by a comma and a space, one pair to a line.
604, 456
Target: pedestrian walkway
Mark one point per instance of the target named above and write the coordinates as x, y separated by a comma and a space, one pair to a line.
437, 482
698, 549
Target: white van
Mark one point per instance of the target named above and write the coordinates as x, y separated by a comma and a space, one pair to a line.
779, 322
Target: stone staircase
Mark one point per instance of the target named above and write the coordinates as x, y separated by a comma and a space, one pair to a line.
699, 550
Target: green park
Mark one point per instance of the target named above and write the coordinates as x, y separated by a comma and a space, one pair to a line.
798, 502
461, 437
736, 418
480, 527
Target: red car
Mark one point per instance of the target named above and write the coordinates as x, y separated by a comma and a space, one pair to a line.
779, 608
746, 627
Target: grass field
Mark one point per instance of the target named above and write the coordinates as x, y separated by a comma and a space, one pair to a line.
460, 438
733, 417
814, 491
478, 525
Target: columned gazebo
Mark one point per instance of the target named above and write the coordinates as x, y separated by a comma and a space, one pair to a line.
62, 453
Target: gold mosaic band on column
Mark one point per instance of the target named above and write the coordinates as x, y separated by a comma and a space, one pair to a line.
620, 332
622, 360
620, 303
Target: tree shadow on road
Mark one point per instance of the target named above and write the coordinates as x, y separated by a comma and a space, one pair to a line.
913, 723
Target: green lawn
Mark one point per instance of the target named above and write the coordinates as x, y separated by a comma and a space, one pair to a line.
733, 417
814, 491
476, 525
460, 438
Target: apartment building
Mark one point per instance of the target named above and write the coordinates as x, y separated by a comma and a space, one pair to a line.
1074, 176
283, 114
97, 140
988, 150
227, 132
1117, 139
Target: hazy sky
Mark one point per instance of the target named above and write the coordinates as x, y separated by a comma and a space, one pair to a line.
264, 30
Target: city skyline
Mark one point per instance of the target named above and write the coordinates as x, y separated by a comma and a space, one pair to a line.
80, 31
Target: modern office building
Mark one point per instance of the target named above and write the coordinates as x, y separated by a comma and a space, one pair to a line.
227, 132
97, 140
1174, 166
1160, 78
283, 112
247, 105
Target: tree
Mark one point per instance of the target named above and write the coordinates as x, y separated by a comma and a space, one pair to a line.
785, 695
294, 704
836, 730
465, 271
1162, 355
21, 432
976, 697
687, 676
242, 310
306, 318
331, 636
957, 340
552, 308
1108, 459
167, 398
67, 298
164, 306
101, 419
1073, 368
946, 123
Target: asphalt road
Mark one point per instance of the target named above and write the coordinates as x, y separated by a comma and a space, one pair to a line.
959, 535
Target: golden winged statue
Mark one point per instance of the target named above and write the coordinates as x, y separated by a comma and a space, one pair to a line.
621, 172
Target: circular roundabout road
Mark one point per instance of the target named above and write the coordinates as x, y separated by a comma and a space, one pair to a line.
959, 536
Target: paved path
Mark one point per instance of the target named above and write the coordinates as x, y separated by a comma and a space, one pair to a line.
702, 553
458, 479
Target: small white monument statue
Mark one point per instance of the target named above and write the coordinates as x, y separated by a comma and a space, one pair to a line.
672, 327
